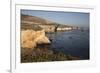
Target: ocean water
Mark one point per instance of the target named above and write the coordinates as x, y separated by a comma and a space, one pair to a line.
75, 43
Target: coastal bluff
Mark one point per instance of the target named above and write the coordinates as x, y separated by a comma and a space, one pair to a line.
33, 22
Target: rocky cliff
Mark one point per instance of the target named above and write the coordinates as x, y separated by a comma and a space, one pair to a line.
37, 23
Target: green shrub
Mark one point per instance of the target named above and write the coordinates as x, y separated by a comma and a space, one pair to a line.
44, 55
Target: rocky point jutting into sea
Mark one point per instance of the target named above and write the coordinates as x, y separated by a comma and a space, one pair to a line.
34, 42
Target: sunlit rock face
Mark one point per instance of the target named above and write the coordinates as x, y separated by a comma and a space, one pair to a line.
30, 38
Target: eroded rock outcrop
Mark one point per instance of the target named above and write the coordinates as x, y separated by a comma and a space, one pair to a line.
30, 38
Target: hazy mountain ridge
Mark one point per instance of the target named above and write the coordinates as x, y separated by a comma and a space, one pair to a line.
39, 20
34, 22
35, 19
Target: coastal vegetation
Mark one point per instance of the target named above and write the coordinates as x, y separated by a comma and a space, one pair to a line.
44, 55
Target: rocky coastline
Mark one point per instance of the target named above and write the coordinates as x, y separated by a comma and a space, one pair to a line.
33, 30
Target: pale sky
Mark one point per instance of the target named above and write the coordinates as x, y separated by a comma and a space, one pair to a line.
70, 18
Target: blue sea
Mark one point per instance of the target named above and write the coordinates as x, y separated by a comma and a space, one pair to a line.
75, 42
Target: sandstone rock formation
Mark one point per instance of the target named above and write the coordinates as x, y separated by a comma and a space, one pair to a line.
30, 38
